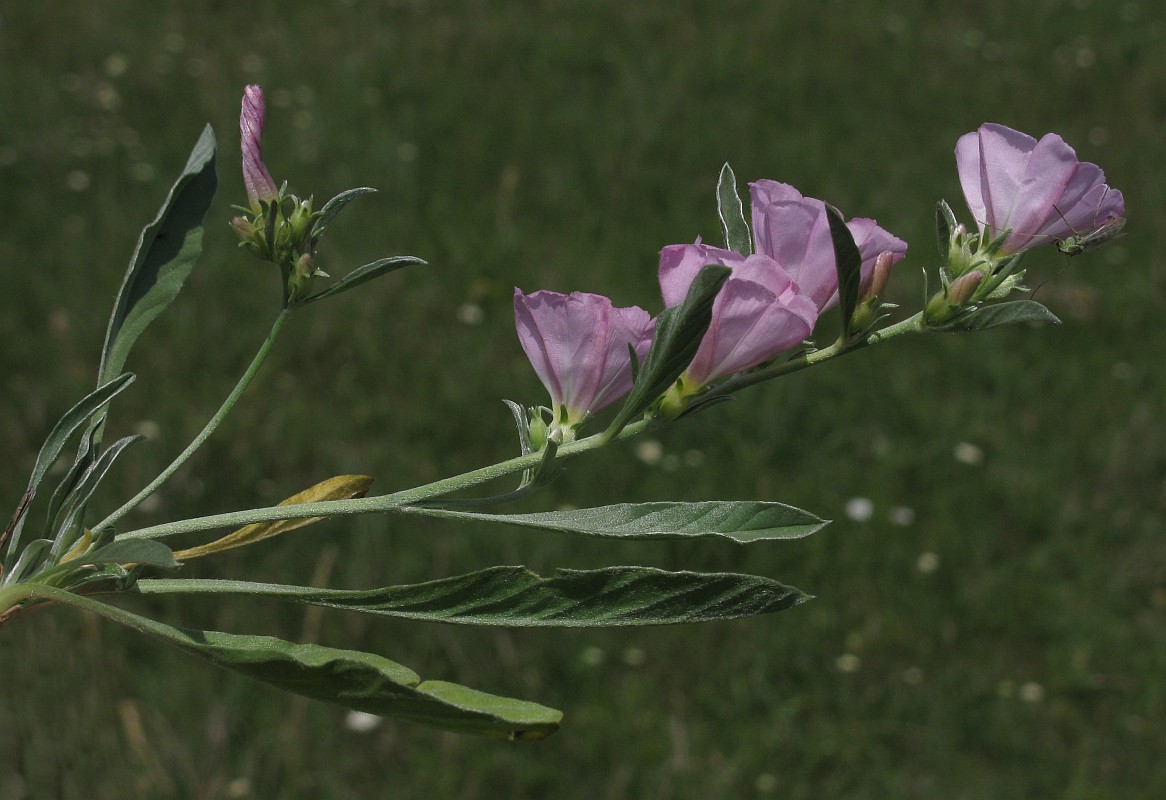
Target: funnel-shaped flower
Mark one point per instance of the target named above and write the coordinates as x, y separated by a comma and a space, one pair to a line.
578, 346
758, 313
1036, 190
256, 178
794, 231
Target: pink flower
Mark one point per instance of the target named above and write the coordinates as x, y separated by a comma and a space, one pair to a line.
578, 346
256, 178
758, 313
793, 230
1036, 190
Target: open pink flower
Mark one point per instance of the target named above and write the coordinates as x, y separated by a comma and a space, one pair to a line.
578, 346
1037, 190
758, 313
794, 231
256, 178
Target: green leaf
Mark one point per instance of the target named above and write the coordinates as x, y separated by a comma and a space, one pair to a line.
679, 331
364, 274
166, 252
945, 225
361, 681
332, 208
73, 419
147, 552
732, 213
997, 314
741, 521
516, 597
848, 262
88, 484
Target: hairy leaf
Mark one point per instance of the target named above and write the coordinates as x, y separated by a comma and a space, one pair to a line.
945, 225
166, 252
341, 487
364, 274
732, 213
515, 596
679, 331
741, 521
334, 207
997, 314
848, 262
350, 678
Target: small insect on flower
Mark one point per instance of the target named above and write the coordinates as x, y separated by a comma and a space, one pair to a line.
1079, 243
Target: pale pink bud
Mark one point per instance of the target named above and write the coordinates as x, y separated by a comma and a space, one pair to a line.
256, 178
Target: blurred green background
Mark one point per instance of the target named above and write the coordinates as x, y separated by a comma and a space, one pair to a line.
989, 620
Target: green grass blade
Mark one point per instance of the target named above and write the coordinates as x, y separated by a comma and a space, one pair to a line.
739, 521
516, 597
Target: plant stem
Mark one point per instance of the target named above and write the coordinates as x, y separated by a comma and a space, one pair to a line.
389, 502
207, 430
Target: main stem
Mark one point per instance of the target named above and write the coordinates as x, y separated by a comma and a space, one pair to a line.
429, 491
206, 432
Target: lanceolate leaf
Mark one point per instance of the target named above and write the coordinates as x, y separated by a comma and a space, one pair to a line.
516, 597
848, 262
740, 521
356, 680
146, 552
167, 250
87, 484
733, 223
334, 207
364, 274
945, 225
679, 331
342, 487
59, 436
997, 314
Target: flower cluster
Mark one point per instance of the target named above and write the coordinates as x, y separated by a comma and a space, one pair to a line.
1021, 191
279, 225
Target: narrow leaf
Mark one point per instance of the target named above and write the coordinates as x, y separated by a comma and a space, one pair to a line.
147, 552
740, 521
74, 418
88, 484
516, 597
679, 331
166, 252
945, 225
997, 314
352, 679
848, 262
364, 274
733, 223
334, 207
341, 487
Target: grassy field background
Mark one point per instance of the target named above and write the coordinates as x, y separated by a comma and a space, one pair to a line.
995, 629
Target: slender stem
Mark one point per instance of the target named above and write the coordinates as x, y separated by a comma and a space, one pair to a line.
206, 432
389, 502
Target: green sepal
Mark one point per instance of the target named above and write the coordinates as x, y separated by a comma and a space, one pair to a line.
993, 316
516, 597
362, 275
349, 678
736, 228
741, 521
848, 263
679, 331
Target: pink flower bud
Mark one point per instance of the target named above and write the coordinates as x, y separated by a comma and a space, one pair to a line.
578, 346
256, 178
1036, 190
879, 276
960, 290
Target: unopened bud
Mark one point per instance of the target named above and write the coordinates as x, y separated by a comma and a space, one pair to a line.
877, 283
960, 290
